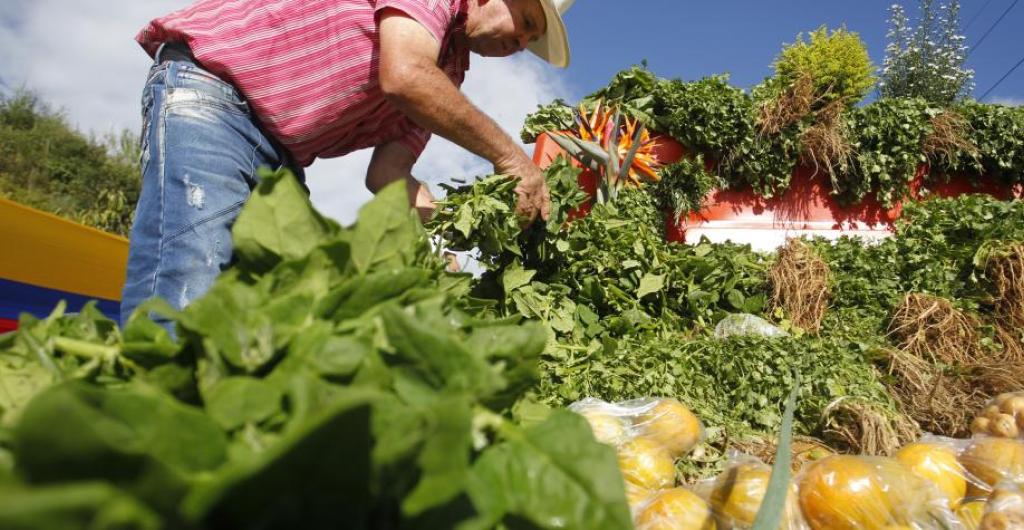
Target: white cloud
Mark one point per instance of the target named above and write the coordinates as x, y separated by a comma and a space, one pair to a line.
81, 56
1008, 101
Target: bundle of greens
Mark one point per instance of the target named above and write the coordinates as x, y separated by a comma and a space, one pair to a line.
757, 139
630, 315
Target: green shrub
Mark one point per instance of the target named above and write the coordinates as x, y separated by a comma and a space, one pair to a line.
837, 62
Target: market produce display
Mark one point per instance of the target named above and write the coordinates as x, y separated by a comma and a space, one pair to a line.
346, 364
889, 340
594, 375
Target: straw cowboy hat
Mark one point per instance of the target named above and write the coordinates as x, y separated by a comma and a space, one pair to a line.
553, 47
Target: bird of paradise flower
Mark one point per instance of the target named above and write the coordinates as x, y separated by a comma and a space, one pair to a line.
617, 147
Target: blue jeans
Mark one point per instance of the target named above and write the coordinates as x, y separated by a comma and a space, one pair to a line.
201, 148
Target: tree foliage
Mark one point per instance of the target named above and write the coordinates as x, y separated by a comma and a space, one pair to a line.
926, 60
46, 164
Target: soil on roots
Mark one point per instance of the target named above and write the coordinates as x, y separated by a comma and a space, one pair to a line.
800, 285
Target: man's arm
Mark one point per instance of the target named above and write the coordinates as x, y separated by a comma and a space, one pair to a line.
393, 161
412, 81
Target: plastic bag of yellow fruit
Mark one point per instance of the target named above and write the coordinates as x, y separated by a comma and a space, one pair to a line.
936, 460
645, 463
736, 494
860, 493
1002, 417
1005, 508
992, 460
664, 421
610, 423
675, 509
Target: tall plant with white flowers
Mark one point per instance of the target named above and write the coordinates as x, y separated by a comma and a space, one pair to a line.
926, 60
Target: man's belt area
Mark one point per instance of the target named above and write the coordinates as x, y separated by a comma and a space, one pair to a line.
177, 51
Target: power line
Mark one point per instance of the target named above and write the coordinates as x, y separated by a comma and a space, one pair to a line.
976, 15
1001, 79
996, 23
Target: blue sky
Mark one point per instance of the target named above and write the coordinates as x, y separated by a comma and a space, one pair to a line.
694, 39
680, 39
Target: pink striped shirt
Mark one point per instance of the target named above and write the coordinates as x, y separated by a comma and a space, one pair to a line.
309, 68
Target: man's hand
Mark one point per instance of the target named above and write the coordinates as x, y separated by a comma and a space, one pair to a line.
531, 192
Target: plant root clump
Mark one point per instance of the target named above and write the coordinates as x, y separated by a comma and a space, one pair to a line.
1012, 342
942, 399
800, 285
930, 328
1005, 269
792, 105
826, 144
939, 403
861, 427
949, 138
940, 373
804, 449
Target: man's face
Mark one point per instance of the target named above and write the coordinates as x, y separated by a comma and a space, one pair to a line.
498, 28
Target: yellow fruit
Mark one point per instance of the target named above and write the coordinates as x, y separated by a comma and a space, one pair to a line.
1004, 426
998, 400
608, 429
739, 491
970, 514
676, 509
912, 498
637, 496
1013, 405
645, 463
992, 460
672, 425
936, 464
991, 412
844, 493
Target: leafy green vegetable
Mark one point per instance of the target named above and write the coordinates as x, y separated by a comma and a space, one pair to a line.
336, 377
530, 477
73, 505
